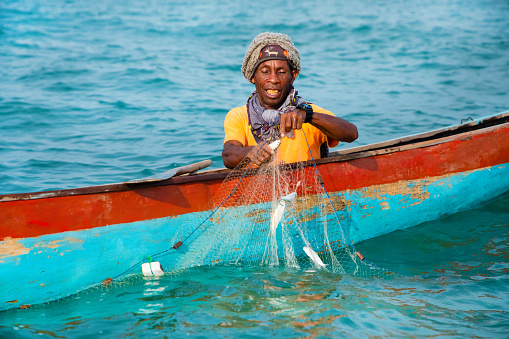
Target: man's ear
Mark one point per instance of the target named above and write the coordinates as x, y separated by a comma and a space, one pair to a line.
295, 73
252, 80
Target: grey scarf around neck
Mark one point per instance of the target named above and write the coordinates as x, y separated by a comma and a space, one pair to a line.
265, 122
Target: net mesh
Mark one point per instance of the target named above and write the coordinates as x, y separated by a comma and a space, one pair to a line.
276, 214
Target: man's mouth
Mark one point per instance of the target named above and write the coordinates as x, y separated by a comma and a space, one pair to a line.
273, 92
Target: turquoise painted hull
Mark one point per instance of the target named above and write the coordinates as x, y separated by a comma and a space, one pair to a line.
81, 259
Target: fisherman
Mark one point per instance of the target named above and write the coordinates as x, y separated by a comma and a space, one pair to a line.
274, 110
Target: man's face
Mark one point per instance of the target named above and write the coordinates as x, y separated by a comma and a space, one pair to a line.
273, 80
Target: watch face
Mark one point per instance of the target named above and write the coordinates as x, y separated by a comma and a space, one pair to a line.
309, 112
305, 107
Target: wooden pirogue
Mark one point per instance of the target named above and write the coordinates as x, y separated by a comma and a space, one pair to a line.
53, 244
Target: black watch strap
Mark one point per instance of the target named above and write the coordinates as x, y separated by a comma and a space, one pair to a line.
308, 109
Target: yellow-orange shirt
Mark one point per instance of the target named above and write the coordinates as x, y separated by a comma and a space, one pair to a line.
236, 127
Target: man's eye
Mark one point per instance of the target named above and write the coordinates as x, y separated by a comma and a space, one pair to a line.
281, 71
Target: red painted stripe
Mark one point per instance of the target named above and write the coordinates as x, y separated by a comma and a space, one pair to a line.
476, 151
31, 218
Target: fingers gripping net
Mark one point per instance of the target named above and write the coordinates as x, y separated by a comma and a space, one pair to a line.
277, 214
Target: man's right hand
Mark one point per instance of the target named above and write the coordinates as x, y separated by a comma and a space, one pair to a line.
234, 153
260, 153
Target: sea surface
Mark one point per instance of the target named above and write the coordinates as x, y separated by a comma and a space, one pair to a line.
96, 92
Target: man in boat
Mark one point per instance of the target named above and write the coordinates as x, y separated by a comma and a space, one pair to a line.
275, 111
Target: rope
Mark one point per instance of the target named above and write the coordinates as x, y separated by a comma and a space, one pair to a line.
332, 204
326, 192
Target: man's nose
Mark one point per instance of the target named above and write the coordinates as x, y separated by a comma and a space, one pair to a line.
273, 78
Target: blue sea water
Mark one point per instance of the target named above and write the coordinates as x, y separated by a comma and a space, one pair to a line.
104, 91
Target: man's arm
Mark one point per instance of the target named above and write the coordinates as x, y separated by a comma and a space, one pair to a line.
333, 127
234, 152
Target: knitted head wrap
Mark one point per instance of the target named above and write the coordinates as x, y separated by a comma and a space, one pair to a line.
254, 53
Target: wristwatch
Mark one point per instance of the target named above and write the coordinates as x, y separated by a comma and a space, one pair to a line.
308, 109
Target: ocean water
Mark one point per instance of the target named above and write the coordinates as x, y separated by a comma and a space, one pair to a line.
105, 91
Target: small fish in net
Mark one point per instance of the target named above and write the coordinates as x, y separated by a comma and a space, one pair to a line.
275, 214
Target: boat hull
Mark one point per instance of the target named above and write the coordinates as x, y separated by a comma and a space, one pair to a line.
57, 243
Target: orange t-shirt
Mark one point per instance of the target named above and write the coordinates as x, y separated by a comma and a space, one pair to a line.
236, 127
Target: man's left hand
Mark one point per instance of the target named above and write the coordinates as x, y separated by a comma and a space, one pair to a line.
292, 120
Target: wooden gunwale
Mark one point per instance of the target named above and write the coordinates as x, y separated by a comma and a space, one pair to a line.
427, 139
482, 123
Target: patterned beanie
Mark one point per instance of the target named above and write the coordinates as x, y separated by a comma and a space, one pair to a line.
279, 47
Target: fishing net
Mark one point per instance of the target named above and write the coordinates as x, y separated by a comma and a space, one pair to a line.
276, 214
